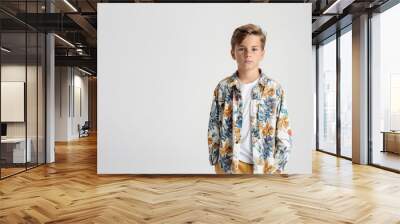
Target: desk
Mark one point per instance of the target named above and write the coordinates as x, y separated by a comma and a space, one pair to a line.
391, 141
15, 148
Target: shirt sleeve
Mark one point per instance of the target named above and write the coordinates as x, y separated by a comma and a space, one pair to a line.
214, 128
283, 135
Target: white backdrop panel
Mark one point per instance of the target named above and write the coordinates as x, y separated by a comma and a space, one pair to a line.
158, 65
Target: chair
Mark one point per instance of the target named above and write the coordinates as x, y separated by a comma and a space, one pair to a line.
84, 130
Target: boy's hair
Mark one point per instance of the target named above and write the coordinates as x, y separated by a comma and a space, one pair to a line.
242, 32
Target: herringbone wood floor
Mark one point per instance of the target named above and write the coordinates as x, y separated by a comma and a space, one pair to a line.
70, 191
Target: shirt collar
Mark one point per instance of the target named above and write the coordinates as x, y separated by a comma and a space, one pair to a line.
234, 79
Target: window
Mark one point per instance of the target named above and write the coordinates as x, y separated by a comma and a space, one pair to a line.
385, 89
346, 94
22, 66
327, 96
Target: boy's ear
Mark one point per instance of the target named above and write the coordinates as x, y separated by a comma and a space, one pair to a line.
233, 54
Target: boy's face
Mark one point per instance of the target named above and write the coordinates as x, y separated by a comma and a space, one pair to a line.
249, 53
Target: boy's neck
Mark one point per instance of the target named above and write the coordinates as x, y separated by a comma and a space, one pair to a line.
248, 76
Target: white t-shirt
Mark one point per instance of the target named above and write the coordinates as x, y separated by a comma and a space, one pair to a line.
246, 155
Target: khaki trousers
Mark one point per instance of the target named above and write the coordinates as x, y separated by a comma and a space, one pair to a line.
244, 168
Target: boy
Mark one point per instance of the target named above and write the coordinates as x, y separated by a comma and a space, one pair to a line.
248, 130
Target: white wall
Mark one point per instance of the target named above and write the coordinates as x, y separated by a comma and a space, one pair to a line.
68, 81
61, 103
158, 65
79, 117
17, 72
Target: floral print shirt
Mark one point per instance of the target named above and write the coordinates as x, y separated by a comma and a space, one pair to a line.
271, 135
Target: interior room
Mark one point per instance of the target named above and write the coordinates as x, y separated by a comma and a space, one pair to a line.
131, 111
22, 102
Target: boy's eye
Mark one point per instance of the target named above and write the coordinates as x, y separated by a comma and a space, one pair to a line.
243, 49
